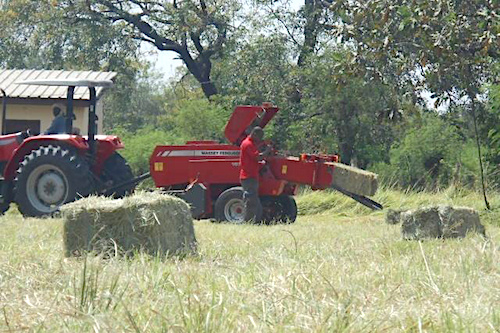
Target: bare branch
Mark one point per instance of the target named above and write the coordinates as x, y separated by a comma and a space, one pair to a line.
280, 20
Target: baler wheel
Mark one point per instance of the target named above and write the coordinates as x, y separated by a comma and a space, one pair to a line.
290, 211
50, 177
279, 209
116, 170
230, 207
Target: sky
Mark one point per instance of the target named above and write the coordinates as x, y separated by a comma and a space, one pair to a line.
165, 62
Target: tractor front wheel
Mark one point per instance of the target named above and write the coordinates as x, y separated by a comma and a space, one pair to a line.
50, 177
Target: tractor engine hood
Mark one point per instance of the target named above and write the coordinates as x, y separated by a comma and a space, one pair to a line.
245, 118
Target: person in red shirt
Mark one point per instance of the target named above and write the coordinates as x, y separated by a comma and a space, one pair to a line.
249, 173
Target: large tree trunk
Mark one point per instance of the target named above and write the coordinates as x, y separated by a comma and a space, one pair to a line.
201, 65
312, 13
201, 69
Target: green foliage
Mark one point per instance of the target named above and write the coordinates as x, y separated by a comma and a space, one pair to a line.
430, 155
140, 145
493, 130
325, 106
256, 71
447, 47
43, 35
451, 42
197, 32
196, 118
260, 70
344, 112
135, 102
193, 118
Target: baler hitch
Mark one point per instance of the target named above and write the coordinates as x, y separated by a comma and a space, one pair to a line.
359, 198
109, 191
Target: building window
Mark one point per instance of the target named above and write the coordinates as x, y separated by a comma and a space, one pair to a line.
18, 125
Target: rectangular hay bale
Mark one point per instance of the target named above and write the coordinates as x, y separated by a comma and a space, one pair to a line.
155, 223
354, 180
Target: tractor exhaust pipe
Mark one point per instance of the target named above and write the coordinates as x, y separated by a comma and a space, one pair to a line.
359, 198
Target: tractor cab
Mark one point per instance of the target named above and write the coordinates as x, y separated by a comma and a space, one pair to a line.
70, 116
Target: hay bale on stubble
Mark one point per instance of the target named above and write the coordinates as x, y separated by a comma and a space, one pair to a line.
393, 216
154, 223
440, 222
354, 180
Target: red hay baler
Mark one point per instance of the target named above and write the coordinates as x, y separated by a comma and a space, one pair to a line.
206, 174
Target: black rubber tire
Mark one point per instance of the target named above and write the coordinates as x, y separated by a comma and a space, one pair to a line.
234, 195
71, 168
4, 207
290, 205
279, 209
115, 171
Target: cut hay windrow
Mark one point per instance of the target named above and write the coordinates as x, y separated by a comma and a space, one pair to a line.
354, 180
151, 222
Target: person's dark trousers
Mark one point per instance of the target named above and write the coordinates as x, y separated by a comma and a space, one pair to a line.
253, 207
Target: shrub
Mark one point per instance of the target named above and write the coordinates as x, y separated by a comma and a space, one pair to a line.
140, 145
428, 156
197, 119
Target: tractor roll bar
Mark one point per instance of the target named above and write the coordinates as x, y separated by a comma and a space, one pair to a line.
4, 110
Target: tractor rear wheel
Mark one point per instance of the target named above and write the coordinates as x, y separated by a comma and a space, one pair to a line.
279, 209
115, 171
4, 206
50, 177
230, 206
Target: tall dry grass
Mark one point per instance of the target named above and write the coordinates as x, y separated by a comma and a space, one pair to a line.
343, 270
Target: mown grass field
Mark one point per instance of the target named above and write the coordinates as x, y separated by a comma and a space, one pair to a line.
339, 268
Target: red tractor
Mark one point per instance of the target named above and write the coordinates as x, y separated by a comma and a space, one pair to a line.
40, 173
206, 174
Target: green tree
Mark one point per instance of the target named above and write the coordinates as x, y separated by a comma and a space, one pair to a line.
197, 31
42, 35
492, 125
196, 118
431, 154
262, 70
338, 111
341, 104
38, 35
136, 102
446, 46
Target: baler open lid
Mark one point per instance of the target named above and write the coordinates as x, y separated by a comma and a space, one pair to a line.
246, 117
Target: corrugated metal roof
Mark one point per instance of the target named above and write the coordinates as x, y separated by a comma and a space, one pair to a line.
9, 77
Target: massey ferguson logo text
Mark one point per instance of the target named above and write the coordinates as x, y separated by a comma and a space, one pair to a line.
197, 153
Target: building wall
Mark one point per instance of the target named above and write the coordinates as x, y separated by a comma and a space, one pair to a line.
44, 114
